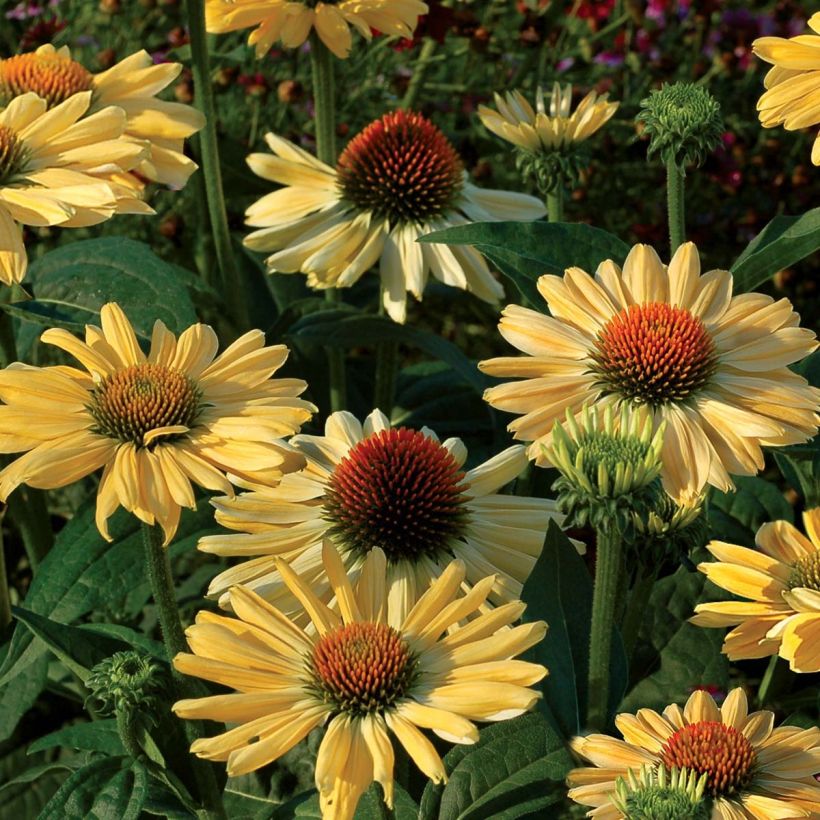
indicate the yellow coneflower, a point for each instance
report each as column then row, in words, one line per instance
column 154, row 422
column 49, row 161
column 547, row 128
column 711, row 366
column 398, row 179
column 291, row 21
column 753, row 770
column 781, row 579
column 792, row 98
column 367, row 485
column 132, row 85
column 360, row 672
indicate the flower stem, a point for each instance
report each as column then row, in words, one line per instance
column 5, row 599
column 675, row 204
column 387, row 364
column 635, row 610
column 777, row 679
column 324, row 103
column 173, row 636
column 234, row 292
column 604, row 599
column 416, row 83
column 127, row 730
column 555, row 204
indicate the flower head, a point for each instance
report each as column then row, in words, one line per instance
column 49, row 166
column 661, row 794
column 291, row 21
column 154, row 422
column 608, row 462
column 710, row 366
column 132, row 84
column 367, row 674
column 792, row 83
column 781, row 582
column 397, row 180
column 127, row 682
column 404, row 491
column 683, row 123
column 751, row 769
column 669, row 530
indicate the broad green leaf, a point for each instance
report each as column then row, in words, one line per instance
column 74, row 281
column 673, row 657
column 83, row 573
column 19, row 696
column 783, row 242
column 803, row 472
column 78, row 649
column 97, row 736
column 516, row 769
column 104, row 789
column 371, row 806
column 559, row 591
column 347, row 329
column 24, row 793
column 523, row 251
column 737, row 516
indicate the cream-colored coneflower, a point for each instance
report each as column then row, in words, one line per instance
column 132, row 85
column 397, row 180
column 367, row 485
column 154, row 422
column 291, row 21
column 792, row 96
column 49, row 167
column 547, row 129
column 713, row 367
column 781, row 582
column 753, row 770
column 363, row 674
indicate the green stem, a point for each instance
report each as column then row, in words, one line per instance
column 416, row 83
column 776, row 681
column 324, row 103
column 5, row 600
column 675, row 204
column 604, row 599
column 635, row 611
column 387, row 366
column 234, row 292
column 127, row 729
column 27, row 505
column 555, row 204
column 173, row 636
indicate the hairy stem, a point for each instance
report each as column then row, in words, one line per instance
column 555, row 204
column 675, row 205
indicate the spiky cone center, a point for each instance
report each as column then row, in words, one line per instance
column 362, row 668
column 708, row 747
column 141, row 398
column 12, row 154
column 806, row 572
column 654, row 353
column 399, row 490
column 401, row 167
column 50, row 76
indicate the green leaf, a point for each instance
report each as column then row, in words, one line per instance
column 783, row 242
column 737, row 516
column 803, row 472
column 78, row 650
column 74, row 281
column 24, row 795
column 371, row 806
column 523, row 251
column 98, row 736
column 674, row 656
column 105, row 789
column 559, row 591
column 20, row 695
column 516, row 769
column 82, row 572
column 347, row 329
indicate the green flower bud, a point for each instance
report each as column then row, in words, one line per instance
column 683, row 123
column 669, row 531
column 658, row 794
column 127, row 682
column 608, row 462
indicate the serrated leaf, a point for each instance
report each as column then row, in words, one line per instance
column 517, row 768
column 104, row 789
column 347, row 329
column 559, row 591
column 737, row 516
column 74, row 281
column 523, row 251
column 783, row 242
column 98, row 736
column 82, row 572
